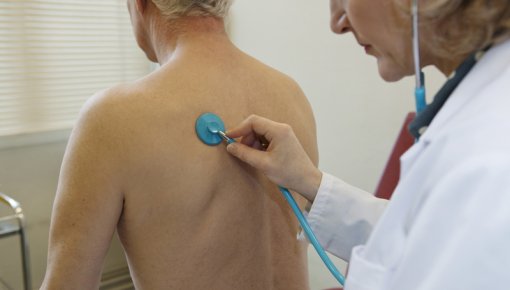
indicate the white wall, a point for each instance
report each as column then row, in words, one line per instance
column 30, row 175
column 357, row 114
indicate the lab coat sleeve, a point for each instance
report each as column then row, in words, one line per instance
column 343, row 216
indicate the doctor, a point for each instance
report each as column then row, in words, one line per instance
column 447, row 225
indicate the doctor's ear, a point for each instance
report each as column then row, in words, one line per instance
column 141, row 6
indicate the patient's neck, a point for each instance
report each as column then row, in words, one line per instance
column 202, row 35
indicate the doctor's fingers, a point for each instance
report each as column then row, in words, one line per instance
column 252, row 156
column 255, row 141
column 260, row 126
column 249, row 139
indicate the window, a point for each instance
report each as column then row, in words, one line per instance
column 54, row 54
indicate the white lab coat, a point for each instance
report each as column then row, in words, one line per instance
column 447, row 225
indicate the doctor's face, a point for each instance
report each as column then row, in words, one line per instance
column 381, row 28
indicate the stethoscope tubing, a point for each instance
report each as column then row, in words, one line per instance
column 311, row 236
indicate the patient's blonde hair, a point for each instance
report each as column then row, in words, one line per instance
column 176, row 8
column 465, row 26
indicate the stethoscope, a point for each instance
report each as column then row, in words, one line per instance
column 419, row 92
column 210, row 129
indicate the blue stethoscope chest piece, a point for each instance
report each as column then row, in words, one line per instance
column 207, row 127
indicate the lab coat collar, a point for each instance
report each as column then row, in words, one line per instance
column 489, row 67
column 423, row 119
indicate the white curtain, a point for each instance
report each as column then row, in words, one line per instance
column 54, row 54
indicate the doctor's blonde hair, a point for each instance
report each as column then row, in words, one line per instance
column 177, row 8
column 462, row 27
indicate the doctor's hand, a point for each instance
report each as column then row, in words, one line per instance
column 274, row 149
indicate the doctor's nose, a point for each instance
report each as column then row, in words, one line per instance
column 339, row 21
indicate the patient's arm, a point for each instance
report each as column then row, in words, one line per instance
column 88, row 202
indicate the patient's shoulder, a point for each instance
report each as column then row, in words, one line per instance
column 276, row 76
column 104, row 118
column 104, row 106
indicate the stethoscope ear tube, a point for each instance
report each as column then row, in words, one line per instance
column 420, row 96
column 419, row 93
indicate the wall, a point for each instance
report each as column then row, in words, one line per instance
column 30, row 174
column 358, row 116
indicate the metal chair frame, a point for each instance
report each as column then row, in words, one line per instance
column 15, row 225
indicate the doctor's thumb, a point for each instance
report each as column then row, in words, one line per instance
column 247, row 154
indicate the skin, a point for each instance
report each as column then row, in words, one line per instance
column 189, row 216
column 380, row 29
column 383, row 29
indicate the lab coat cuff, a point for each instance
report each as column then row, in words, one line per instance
column 342, row 216
column 317, row 216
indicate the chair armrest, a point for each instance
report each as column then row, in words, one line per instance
column 14, row 223
column 13, row 204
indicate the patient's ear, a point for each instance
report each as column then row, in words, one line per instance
column 141, row 6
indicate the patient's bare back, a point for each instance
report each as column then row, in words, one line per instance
column 189, row 216
column 194, row 217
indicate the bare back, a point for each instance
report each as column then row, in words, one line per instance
column 196, row 218
column 191, row 216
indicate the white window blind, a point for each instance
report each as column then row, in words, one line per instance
column 54, row 54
